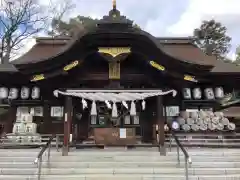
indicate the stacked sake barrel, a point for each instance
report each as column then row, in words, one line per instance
column 204, row 121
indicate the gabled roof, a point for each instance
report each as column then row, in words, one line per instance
column 8, row 68
column 179, row 48
column 225, row 67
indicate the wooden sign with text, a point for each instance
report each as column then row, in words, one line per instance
column 114, row 70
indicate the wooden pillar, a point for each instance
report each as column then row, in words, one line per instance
column 46, row 125
column 160, row 122
column 67, row 124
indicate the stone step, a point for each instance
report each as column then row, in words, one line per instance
column 116, row 171
column 119, row 177
column 122, row 150
column 119, row 158
column 162, row 164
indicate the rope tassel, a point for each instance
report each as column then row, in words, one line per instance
column 114, row 110
column 109, row 106
column 94, row 109
column 84, row 104
column 124, row 103
column 143, row 105
column 133, row 109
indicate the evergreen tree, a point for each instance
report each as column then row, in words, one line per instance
column 212, row 38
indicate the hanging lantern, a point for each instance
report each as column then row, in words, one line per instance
column 35, row 93
column 187, row 93
column 219, row 93
column 209, row 93
column 114, row 110
column 133, row 109
column 197, row 93
column 13, row 93
column 3, row 93
column 94, row 109
column 25, row 93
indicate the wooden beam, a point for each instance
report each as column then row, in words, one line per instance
column 67, row 124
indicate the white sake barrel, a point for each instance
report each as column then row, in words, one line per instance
column 215, row 120
column 206, row 120
column 184, row 114
column 190, row 121
column 218, row 114
column 181, row 120
column 194, row 115
column 18, row 128
column 203, row 127
column 186, row 127
column 211, row 126
column 225, row 121
column 202, row 114
column 31, row 128
column 220, row 127
column 231, row 126
column 195, row 127
column 199, row 121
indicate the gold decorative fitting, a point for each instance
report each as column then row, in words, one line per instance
column 71, row 65
column 157, row 66
column 190, row 78
column 114, row 4
column 37, row 77
column 115, row 51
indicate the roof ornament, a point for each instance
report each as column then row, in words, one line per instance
column 114, row 4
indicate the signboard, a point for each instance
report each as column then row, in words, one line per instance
column 123, row 133
column 114, row 70
column 172, row 111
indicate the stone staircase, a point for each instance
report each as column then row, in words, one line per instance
column 120, row 164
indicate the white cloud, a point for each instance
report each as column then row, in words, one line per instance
column 165, row 18
column 225, row 11
column 198, row 10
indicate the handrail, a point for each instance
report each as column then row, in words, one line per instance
column 186, row 155
column 38, row 160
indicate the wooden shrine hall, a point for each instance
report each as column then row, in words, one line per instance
column 112, row 84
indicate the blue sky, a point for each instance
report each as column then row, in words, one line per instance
column 167, row 17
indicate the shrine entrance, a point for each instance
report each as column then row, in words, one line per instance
column 110, row 117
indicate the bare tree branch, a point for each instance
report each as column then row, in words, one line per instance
column 19, row 20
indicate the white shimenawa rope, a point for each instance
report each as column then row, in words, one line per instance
column 114, row 97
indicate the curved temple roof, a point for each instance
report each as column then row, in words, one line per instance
column 182, row 50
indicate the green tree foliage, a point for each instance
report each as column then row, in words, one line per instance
column 238, row 54
column 212, row 38
column 62, row 28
